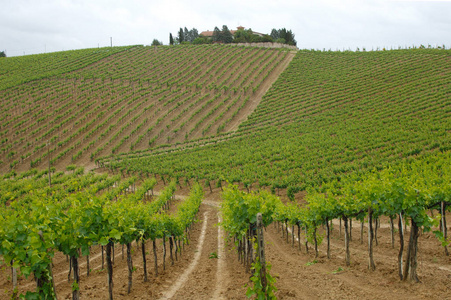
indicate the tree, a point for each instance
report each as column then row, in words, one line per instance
column 171, row 39
column 201, row 40
column 217, row 35
column 156, row 42
column 289, row 37
column 194, row 34
column 256, row 39
column 2, row 54
column 267, row 39
column 186, row 35
column 283, row 36
column 181, row 36
column 274, row 34
column 243, row 36
column 227, row 36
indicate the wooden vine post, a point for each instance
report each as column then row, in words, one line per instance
column 109, row 263
column 48, row 154
column 261, row 251
column 443, row 224
column 14, row 279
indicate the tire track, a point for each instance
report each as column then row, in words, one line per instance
column 220, row 274
column 184, row 277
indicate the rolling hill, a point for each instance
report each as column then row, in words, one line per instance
column 225, row 113
column 366, row 134
column 89, row 104
column 327, row 115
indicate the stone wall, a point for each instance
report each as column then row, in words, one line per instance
column 267, row 45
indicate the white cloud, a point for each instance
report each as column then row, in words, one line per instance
column 33, row 26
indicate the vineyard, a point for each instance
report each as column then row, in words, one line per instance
column 132, row 99
column 76, row 212
column 346, row 155
column 327, row 115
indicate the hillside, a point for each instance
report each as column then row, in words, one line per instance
column 129, row 100
column 328, row 114
column 360, row 139
column 19, row 70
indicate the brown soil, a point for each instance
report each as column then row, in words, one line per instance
column 26, row 147
column 217, row 274
column 250, row 107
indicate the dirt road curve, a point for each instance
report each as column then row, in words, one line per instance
column 208, row 269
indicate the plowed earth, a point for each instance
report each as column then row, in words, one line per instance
column 208, row 267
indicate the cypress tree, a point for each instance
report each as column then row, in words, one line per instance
column 181, row 36
column 275, row 34
column 217, row 36
column 186, row 35
column 227, row 36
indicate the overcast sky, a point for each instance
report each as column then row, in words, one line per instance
column 38, row 26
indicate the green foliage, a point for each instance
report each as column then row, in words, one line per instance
column 256, row 290
column 217, row 35
column 410, row 188
column 267, row 39
column 222, row 36
column 156, row 42
column 201, row 40
column 243, row 36
column 227, row 36
column 310, row 263
column 313, row 128
column 291, row 191
column 71, row 167
column 239, row 209
column 441, row 238
column 75, row 286
column 248, row 36
column 28, row 68
column 283, row 36
column 186, row 36
column 71, row 215
column 181, row 36
column 338, row 270
column 116, row 100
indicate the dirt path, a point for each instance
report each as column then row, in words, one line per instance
column 208, row 275
column 233, row 126
column 184, row 277
column 221, row 273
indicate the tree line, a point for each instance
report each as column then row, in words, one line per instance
column 225, row 36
